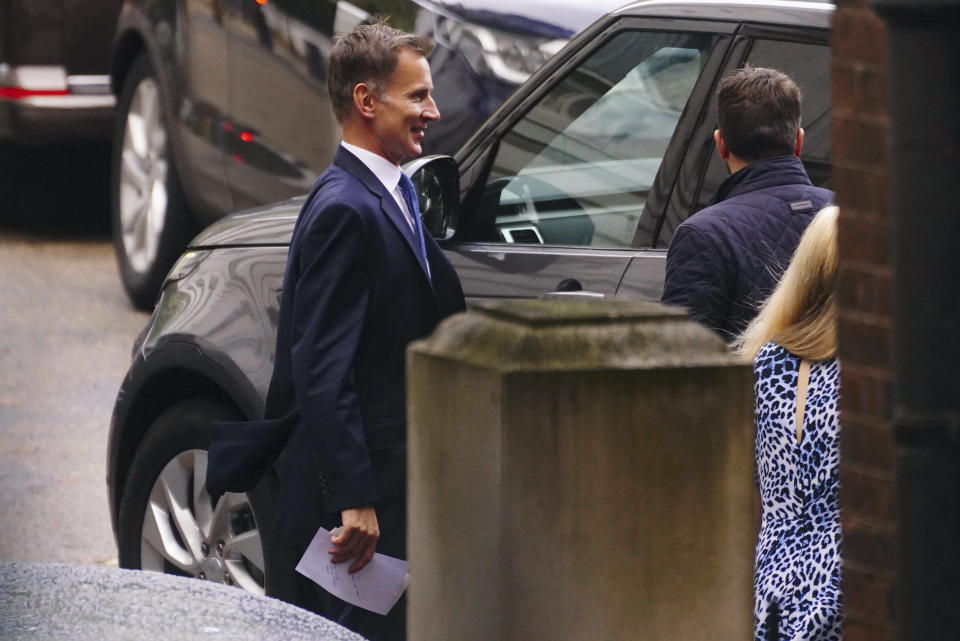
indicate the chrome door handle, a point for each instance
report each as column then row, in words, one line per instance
column 573, row 295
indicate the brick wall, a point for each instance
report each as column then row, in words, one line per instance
column 862, row 182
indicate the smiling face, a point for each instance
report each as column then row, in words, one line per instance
column 404, row 108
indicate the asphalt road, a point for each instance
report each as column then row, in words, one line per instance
column 66, row 330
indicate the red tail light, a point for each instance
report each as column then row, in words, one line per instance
column 17, row 93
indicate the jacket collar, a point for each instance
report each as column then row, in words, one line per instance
column 760, row 174
column 385, row 171
column 355, row 167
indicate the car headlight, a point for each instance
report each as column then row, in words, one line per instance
column 511, row 57
column 187, row 263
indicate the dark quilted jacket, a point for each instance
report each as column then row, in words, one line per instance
column 725, row 260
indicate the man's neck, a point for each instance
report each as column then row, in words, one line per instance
column 735, row 164
column 360, row 137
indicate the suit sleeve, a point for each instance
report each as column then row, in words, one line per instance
column 695, row 278
column 329, row 309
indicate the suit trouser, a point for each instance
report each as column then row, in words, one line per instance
column 392, row 627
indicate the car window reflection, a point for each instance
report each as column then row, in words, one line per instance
column 576, row 170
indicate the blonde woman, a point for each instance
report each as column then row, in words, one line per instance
column 793, row 342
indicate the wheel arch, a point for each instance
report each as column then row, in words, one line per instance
column 128, row 46
column 180, row 372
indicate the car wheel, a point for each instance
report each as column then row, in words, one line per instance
column 168, row 522
column 151, row 224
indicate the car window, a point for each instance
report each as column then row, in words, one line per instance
column 809, row 66
column 577, row 168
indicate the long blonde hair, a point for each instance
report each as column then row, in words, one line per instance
column 801, row 313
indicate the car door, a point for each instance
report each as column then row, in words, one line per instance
column 193, row 57
column 269, row 145
column 567, row 190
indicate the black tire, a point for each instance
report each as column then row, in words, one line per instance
column 143, row 272
column 174, row 437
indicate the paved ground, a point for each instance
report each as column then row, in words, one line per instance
column 52, row 602
column 66, row 330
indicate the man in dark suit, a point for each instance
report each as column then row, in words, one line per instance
column 362, row 281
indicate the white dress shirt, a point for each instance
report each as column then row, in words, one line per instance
column 386, row 172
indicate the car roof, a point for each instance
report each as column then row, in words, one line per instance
column 816, row 13
column 546, row 18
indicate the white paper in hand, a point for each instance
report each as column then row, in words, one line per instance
column 377, row 587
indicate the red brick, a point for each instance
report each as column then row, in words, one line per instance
column 862, row 190
column 861, row 175
column 855, row 630
column 860, row 90
column 865, row 444
column 859, row 34
column 866, row 241
column 856, row 139
column 866, row 393
column 864, row 343
column 869, row 547
column 867, row 597
column 870, row 292
column 866, row 493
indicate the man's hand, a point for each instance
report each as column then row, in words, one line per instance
column 357, row 538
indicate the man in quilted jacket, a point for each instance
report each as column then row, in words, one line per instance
column 725, row 260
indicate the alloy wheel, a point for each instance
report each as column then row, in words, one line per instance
column 143, row 177
column 184, row 532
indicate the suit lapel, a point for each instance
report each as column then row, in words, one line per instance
column 350, row 163
column 399, row 220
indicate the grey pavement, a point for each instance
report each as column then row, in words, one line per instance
column 66, row 330
column 53, row 602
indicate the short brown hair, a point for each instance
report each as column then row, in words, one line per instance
column 368, row 54
column 758, row 113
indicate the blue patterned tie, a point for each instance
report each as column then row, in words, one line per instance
column 410, row 197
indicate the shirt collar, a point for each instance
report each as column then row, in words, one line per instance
column 385, row 171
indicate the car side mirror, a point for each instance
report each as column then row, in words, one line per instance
column 437, row 181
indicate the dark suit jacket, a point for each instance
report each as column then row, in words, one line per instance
column 354, row 295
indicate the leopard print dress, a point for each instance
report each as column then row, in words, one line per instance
column 797, row 565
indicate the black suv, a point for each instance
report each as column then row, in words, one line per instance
column 573, row 187
column 222, row 104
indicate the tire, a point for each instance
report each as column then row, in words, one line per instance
column 148, row 211
column 168, row 523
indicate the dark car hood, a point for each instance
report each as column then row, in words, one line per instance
column 263, row 226
column 546, row 18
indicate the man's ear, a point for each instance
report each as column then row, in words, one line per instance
column 721, row 144
column 799, row 147
column 363, row 100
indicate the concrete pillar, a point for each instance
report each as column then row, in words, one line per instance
column 579, row 471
